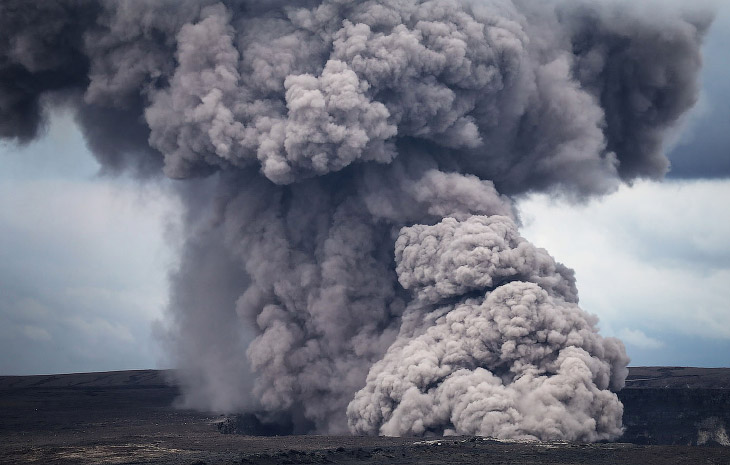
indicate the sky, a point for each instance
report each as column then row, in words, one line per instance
column 83, row 260
column 84, row 257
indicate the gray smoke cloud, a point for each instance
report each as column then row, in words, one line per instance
column 520, row 359
column 350, row 257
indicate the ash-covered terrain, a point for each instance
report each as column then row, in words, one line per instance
column 129, row 417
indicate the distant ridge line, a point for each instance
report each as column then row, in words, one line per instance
column 665, row 377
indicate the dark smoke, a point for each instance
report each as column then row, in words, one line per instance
column 350, row 254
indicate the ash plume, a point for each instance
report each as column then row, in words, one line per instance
column 350, row 255
column 519, row 359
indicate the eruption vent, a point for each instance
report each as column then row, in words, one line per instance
column 351, row 258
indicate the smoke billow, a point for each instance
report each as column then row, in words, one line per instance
column 351, row 256
column 517, row 359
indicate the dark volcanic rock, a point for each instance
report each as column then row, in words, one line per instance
column 128, row 417
column 676, row 416
column 248, row 424
column 678, row 378
column 677, row 405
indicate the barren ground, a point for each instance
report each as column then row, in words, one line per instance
column 127, row 417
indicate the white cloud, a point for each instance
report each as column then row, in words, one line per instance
column 36, row 334
column 638, row 338
column 654, row 256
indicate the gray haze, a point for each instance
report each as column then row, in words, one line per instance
column 335, row 154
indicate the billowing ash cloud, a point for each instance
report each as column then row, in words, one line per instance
column 520, row 359
column 350, row 254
